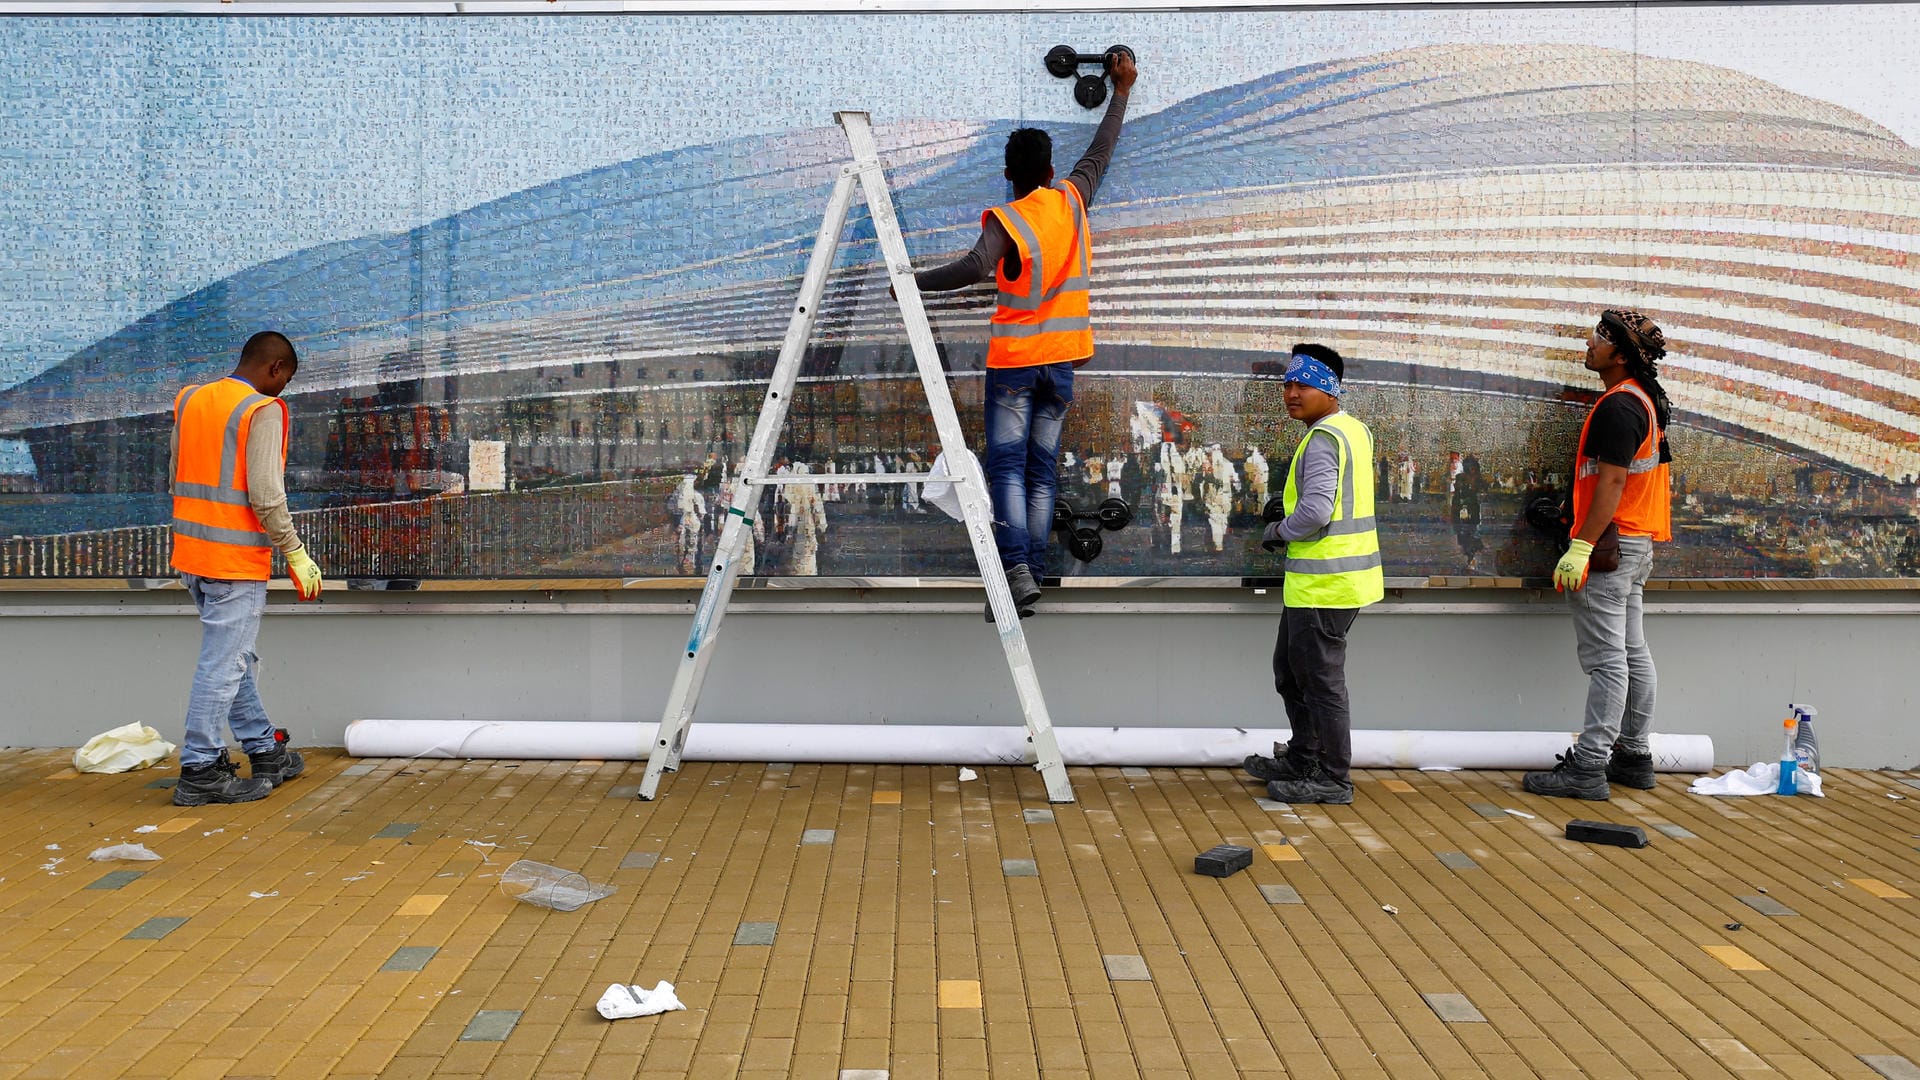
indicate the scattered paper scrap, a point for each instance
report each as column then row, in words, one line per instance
column 263, row 895
column 622, row 1001
column 1389, row 909
column 147, row 828
column 1519, row 813
column 967, row 774
column 130, row 852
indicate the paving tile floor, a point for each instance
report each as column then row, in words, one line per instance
column 352, row 925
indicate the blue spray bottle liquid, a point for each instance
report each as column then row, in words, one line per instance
column 1788, row 762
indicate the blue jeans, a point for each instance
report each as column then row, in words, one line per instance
column 223, row 689
column 1026, row 408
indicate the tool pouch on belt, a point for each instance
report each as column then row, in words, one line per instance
column 1553, row 515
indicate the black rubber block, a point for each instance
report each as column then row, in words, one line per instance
column 1223, row 860
column 1605, row 832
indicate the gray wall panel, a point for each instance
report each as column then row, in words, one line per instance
column 1193, row 659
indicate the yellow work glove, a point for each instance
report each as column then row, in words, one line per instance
column 1571, row 571
column 304, row 574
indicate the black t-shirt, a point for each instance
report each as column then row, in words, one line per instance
column 1619, row 427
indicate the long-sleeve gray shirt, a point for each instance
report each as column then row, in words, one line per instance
column 266, row 486
column 1319, row 473
column 996, row 246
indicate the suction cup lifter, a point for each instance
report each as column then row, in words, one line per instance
column 1063, row 61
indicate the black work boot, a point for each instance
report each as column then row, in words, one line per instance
column 1026, row 591
column 218, row 782
column 1569, row 780
column 1316, row 786
column 280, row 764
column 1281, row 766
column 1630, row 770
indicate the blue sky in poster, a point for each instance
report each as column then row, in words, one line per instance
column 143, row 158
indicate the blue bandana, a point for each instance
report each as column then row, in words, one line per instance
column 1307, row 371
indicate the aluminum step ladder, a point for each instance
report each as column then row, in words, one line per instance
column 970, row 484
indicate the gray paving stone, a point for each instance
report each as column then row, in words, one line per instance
column 1127, row 968
column 1910, row 781
column 396, row 831
column 491, row 1025
column 1137, row 773
column 1273, row 805
column 410, row 958
column 165, row 782
column 1034, row 817
column 863, row 1074
column 1281, row 894
column 116, row 879
column 155, row 929
column 1019, row 868
column 639, row 860
column 361, row 769
column 779, row 766
column 624, row 791
column 1457, row 860
column 1454, row 1008
column 817, row 836
column 1675, row 831
column 1767, row 905
column 755, row 933
column 1488, row 810
column 1892, row 1066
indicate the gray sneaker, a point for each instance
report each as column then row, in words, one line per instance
column 218, row 782
column 1569, row 780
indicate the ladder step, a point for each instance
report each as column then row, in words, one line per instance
column 788, row 479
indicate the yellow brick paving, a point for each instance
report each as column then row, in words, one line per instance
column 906, row 943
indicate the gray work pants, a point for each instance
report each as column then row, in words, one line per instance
column 1310, row 671
column 1613, row 651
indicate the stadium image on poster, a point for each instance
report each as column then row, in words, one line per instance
column 538, row 269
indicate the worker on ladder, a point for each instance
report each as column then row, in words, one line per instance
column 1037, row 247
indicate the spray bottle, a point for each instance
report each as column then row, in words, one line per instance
column 1788, row 761
column 1806, row 745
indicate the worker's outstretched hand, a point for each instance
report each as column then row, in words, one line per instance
column 305, row 574
column 1120, row 65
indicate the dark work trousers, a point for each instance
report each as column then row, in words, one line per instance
column 1310, row 671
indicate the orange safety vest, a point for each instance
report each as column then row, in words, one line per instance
column 1042, row 316
column 1646, row 507
column 216, row 534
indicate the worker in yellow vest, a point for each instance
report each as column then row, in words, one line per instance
column 229, row 457
column 1333, row 570
column 1039, row 250
column 1622, row 505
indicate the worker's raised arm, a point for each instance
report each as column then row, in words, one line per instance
column 1092, row 166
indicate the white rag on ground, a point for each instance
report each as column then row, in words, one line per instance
column 1762, row 779
column 622, row 1001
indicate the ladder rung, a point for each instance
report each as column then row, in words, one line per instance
column 784, row 479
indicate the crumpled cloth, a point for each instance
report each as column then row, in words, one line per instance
column 622, row 1001
column 942, row 488
column 1762, row 779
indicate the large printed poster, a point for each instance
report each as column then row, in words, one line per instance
column 537, row 270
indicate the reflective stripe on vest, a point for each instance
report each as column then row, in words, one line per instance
column 1042, row 316
column 1645, row 503
column 216, row 533
column 1339, row 567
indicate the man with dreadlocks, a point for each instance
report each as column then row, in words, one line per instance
column 1621, row 505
